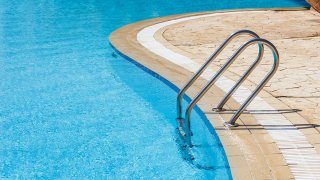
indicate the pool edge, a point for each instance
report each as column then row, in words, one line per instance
column 126, row 45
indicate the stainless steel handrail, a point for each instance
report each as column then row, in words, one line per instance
column 265, row 80
column 184, row 127
column 210, row 59
column 221, row 71
column 237, row 84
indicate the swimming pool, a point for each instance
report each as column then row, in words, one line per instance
column 72, row 107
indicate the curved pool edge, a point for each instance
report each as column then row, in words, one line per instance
column 125, row 41
column 176, row 89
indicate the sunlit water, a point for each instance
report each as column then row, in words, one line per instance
column 69, row 108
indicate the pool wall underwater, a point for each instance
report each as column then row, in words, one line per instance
column 173, row 87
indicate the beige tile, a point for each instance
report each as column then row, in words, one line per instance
column 270, row 148
column 237, row 161
column 228, row 141
column 241, row 173
column 256, row 161
column 313, row 138
column 295, row 118
column 221, row 131
column 263, row 138
column 261, row 173
column 233, row 150
column 307, row 130
column 249, row 121
column 281, row 172
column 251, row 149
column 317, row 147
column 276, row 160
column 246, row 139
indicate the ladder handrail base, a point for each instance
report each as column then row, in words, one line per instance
column 230, row 125
column 219, row 109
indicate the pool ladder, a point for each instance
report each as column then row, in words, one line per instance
column 184, row 123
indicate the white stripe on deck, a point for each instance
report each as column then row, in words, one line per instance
column 300, row 155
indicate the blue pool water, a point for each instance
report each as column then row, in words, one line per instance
column 69, row 108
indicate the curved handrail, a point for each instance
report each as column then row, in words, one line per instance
column 265, row 80
column 222, row 70
column 237, row 85
column 210, row 59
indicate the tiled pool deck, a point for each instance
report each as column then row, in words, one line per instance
column 264, row 146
